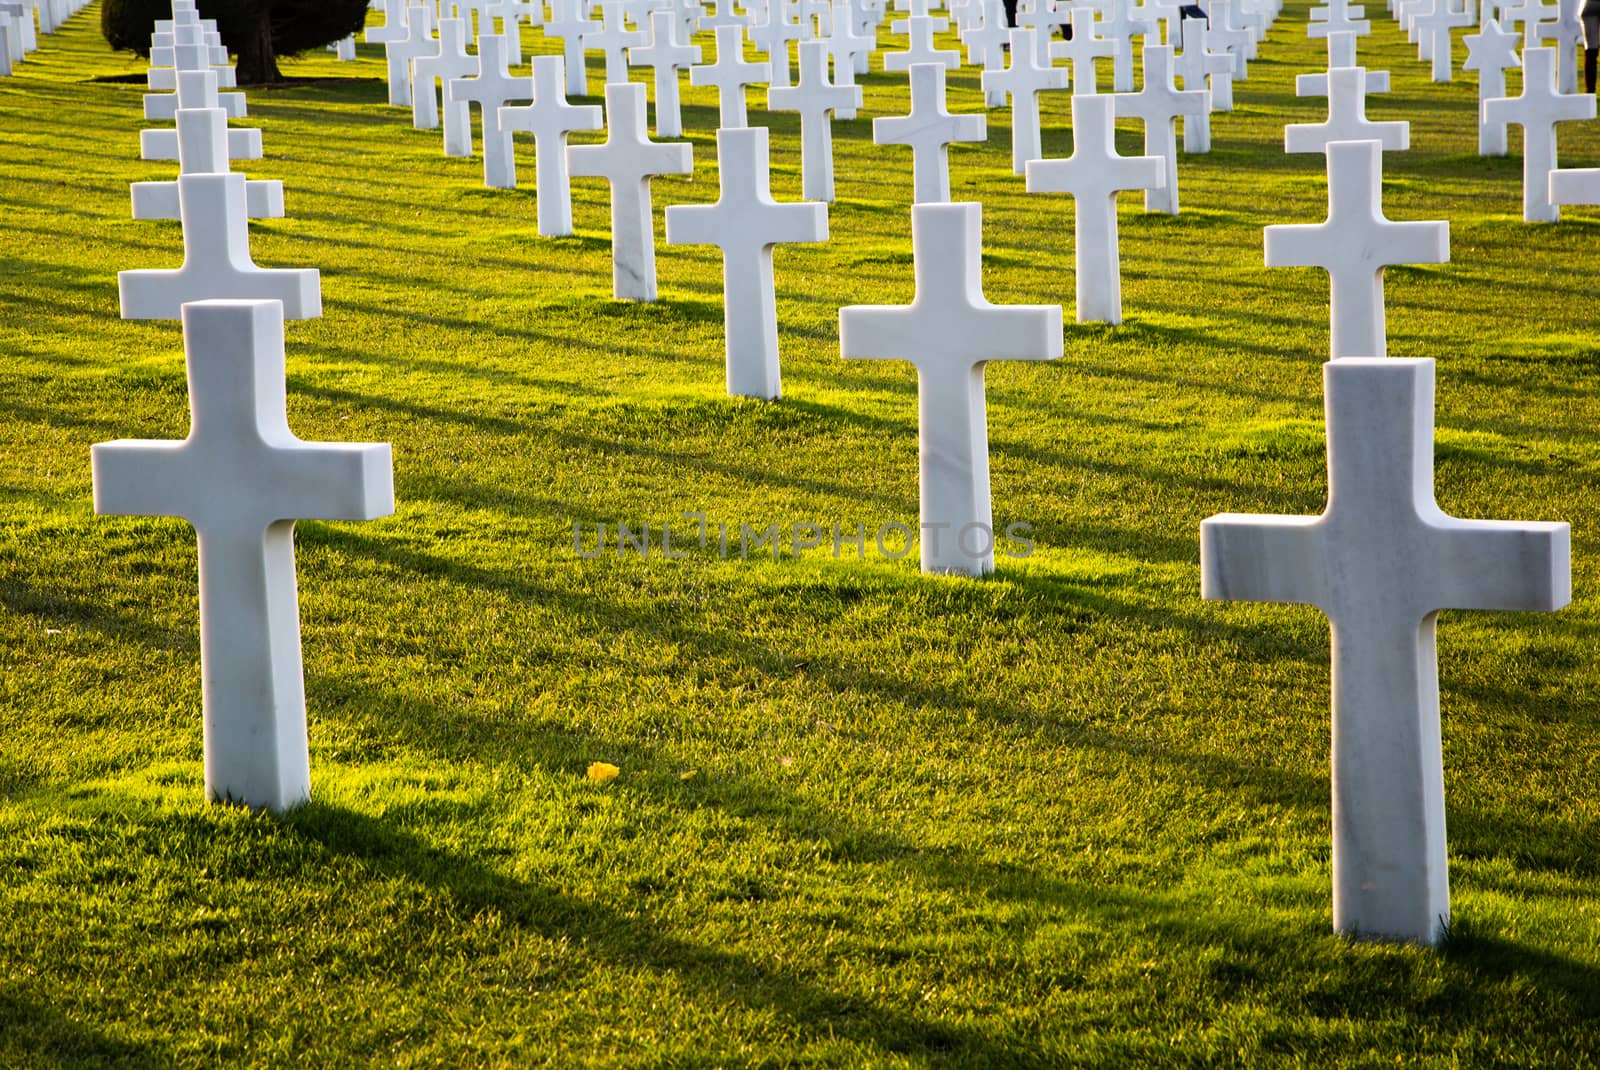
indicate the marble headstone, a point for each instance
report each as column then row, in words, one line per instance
column 242, row 479
column 1354, row 245
column 949, row 332
column 1093, row 175
column 745, row 223
column 628, row 160
column 929, row 130
column 1381, row 562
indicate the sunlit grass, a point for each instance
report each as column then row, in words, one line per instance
column 1070, row 815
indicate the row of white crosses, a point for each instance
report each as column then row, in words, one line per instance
column 731, row 74
column 1356, row 242
column 928, row 130
column 23, row 22
column 627, row 34
column 1383, row 559
column 1549, row 83
column 409, row 43
column 745, row 224
column 629, row 160
column 241, row 477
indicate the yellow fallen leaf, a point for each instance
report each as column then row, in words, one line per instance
column 602, row 770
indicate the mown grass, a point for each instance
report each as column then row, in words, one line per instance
column 1070, row 815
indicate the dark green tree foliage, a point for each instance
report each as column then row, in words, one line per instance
column 257, row 32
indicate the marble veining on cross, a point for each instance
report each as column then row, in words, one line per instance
column 1354, row 245
column 628, row 160
column 929, row 130
column 1381, row 561
column 949, row 332
column 242, row 479
column 745, row 223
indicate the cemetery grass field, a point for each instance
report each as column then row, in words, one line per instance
column 1070, row 815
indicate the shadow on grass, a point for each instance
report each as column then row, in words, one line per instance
column 718, row 976
column 1062, row 607
column 52, row 607
column 1514, row 967
column 35, row 1033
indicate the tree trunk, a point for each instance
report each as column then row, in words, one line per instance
column 257, row 59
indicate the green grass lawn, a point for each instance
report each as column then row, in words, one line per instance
column 1068, row 815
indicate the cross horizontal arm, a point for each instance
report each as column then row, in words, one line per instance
column 1500, row 564
column 1253, row 558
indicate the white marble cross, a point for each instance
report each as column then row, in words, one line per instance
column 987, row 43
column 202, row 150
column 772, row 37
column 613, row 40
column 1195, row 63
column 1024, row 80
column 1120, row 26
column 242, row 479
column 849, row 48
column 730, row 74
column 451, row 63
column 1526, row 13
column 1225, row 36
column 666, row 57
column 1158, row 106
column 921, row 48
column 628, row 160
column 395, row 29
column 550, row 118
column 1255, row 17
column 197, row 89
column 1347, row 119
column 505, row 18
column 1537, row 110
column 1341, row 53
column 418, row 43
column 949, row 332
column 815, row 98
column 1530, row 14
column 928, row 129
column 1045, row 16
column 1566, row 36
column 1406, row 12
column 1381, row 562
column 1221, row 67
column 1434, row 24
column 745, row 223
column 687, row 15
column 214, row 206
column 570, row 22
column 491, row 88
column 1338, row 16
column 1093, row 175
column 1354, row 245
column 1490, row 52
column 1082, row 50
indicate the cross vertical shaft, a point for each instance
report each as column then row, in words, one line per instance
column 1380, row 562
column 949, row 331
